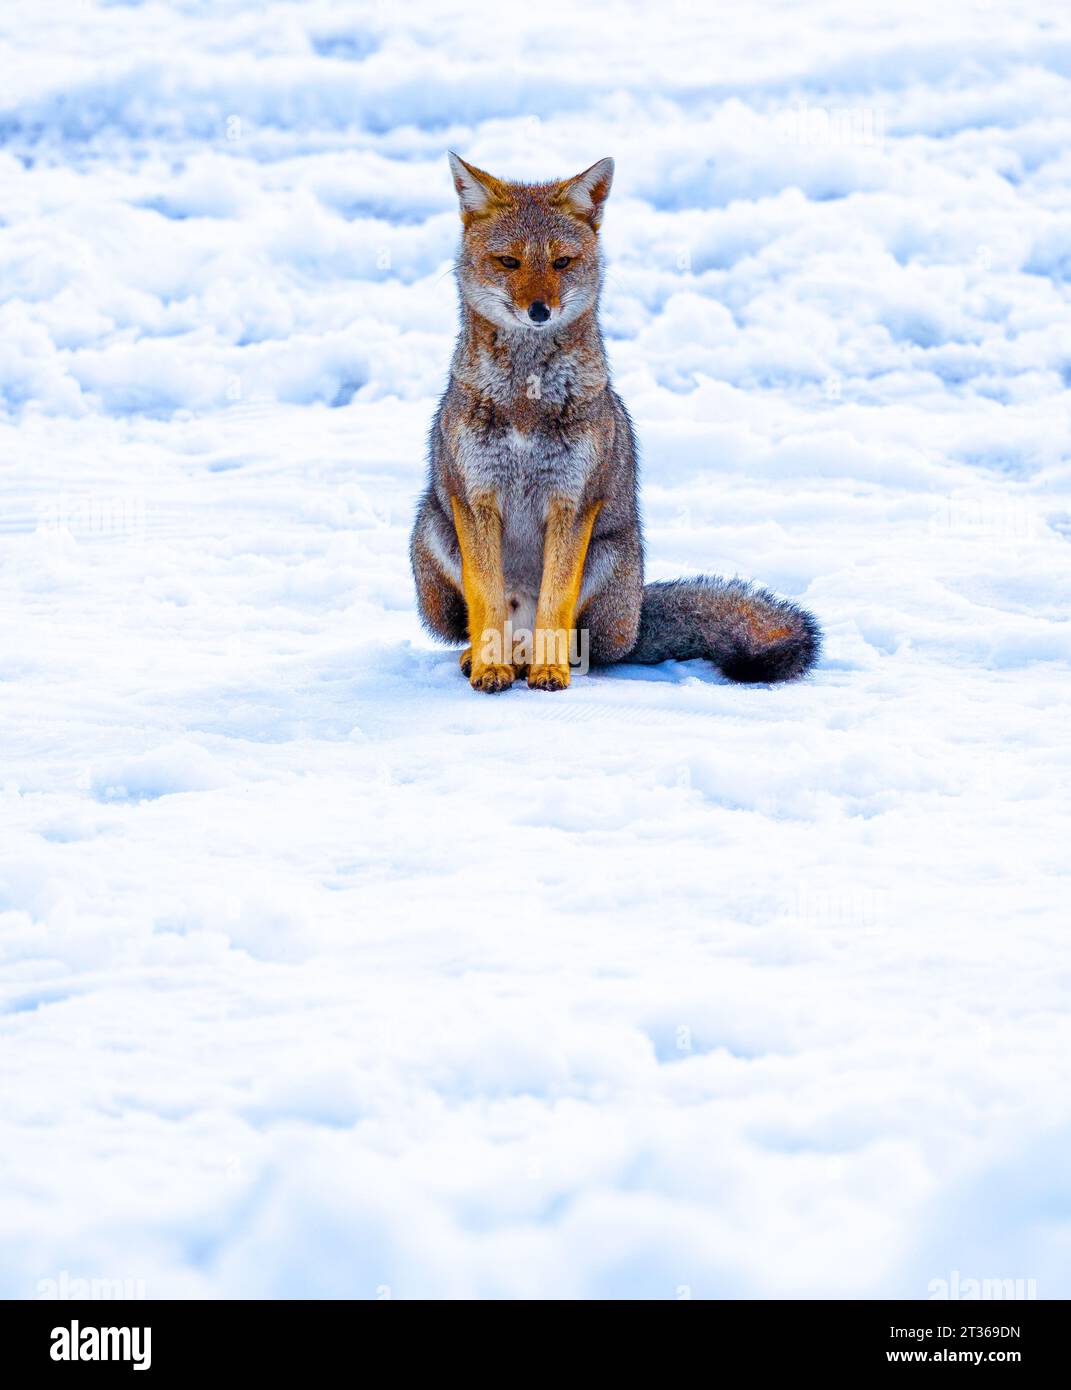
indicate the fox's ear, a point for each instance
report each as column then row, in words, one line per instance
column 477, row 192
column 586, row 194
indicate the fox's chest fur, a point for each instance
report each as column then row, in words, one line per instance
column 526, row 422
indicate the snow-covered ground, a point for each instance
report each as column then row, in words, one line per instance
column 323, row 975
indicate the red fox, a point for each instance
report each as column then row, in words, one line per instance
column 527, row 539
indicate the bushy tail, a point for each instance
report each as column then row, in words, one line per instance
column 748, row 633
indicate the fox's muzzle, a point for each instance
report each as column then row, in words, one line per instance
column 538, row 312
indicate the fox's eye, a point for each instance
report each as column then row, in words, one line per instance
column 510, row 262
column 561, row 262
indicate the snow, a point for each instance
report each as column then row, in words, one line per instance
column 324, row 975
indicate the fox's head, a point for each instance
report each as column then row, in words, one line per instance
column 530, row 252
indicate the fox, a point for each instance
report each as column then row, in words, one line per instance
column 527, row 545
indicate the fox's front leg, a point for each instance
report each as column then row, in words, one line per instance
column 565, row 549
column 479, row 532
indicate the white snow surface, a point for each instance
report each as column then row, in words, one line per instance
column 323, row 975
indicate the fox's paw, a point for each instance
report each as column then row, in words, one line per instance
column 520, row 669
column 549, row 676
column 491, row 679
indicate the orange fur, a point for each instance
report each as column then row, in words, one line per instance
column 565, row 550
column 479, row 533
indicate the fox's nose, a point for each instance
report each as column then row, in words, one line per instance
column 538, row 312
